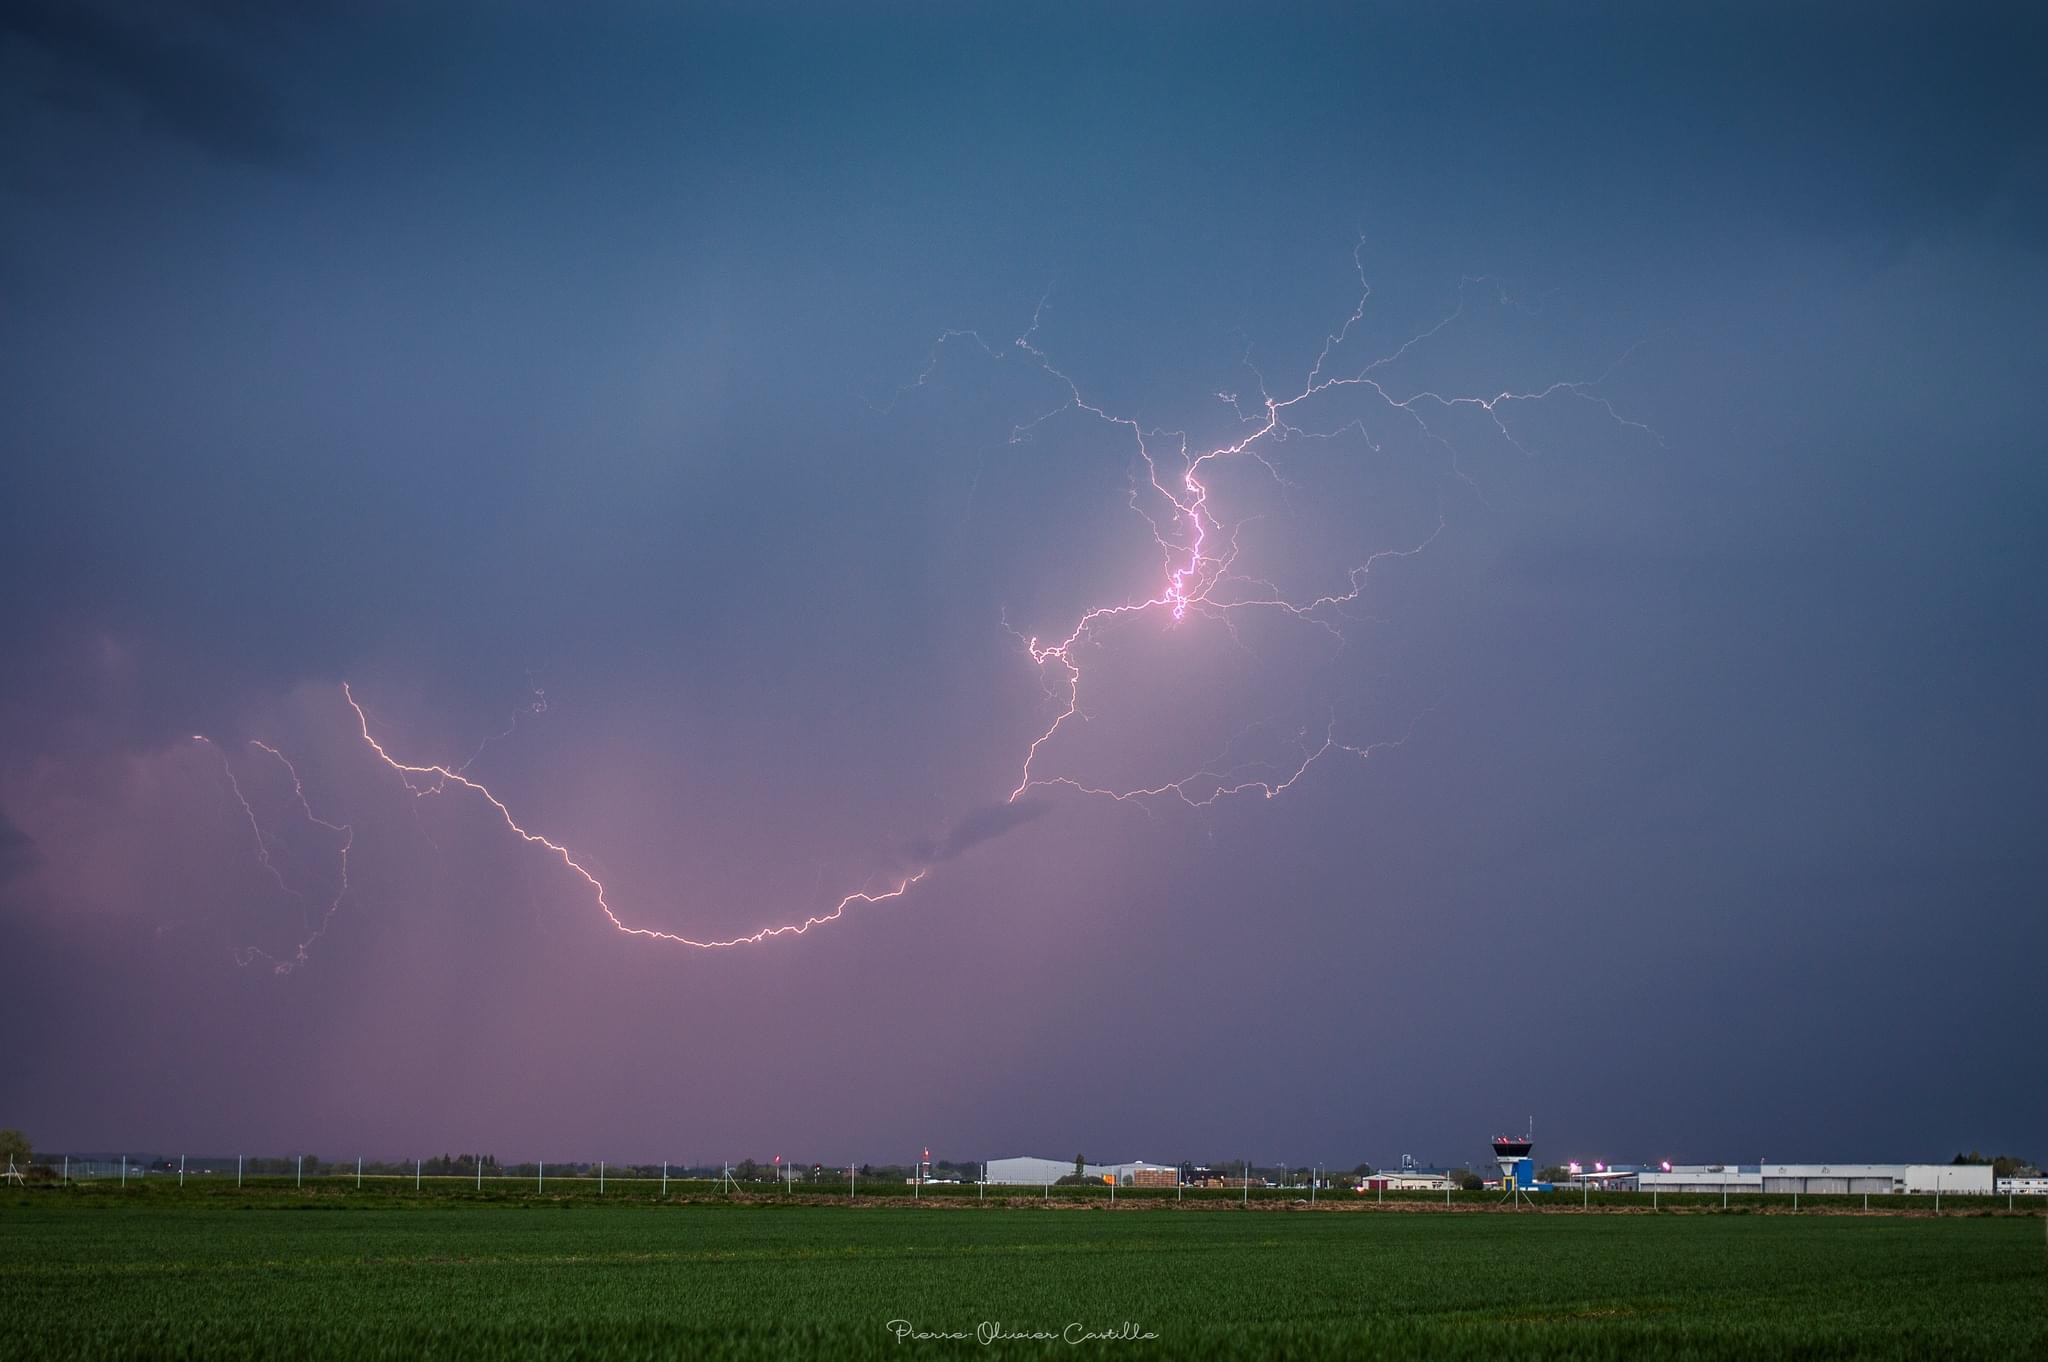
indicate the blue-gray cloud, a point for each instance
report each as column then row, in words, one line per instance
column 190, row 88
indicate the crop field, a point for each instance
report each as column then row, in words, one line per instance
column 271, row 1272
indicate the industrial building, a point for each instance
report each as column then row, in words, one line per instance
column 1028, row 1171
column 1407, row 1179
column 1033, row 1172
column 1821, row 1179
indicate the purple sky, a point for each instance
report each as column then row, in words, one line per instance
column 577, row 395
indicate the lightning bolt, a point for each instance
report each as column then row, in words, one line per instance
column 434, row 779
column 1199, row 551
column 244, row 955
column 1198, row 579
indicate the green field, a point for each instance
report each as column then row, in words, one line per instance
column 275, row 1274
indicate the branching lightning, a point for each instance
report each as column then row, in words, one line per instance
column 1198, row 578
column 435, row 779
column 244, row 955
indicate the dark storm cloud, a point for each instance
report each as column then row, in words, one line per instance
column 983, row 825
column 184, row 84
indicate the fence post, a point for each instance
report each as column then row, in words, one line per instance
column 299, row 1175
column 359, row 1172
column 124, row 1170
column 540, row 1175
column 600, row 1177
column 181, row 1170
column 238, row 1170
column 664, row 1177
column 416, row 1173
column 479, row 1171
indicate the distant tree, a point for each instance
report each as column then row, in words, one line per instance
column 1557, row 1172
column 1080, row 1164
column 746, row 1170
column 14, row 1148
column 1467, row 1180
column 1363, row 1170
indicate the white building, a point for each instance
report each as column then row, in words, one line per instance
column 2023, row 1186
column 1033, row 1172
column 1406, row 1180
column 1822, row 1179
column 1703, row 1177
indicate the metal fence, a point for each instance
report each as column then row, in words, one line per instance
column 469, row 1177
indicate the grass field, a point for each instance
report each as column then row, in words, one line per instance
column 276, row 1274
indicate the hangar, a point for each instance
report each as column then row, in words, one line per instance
column 1035, row 1172
column 1821, row 1179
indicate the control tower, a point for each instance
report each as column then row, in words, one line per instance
column 1511, row 1152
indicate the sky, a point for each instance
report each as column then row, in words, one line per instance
column 687, row 421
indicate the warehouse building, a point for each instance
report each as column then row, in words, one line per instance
column 1033, row 1172
column 1407, row 1179
column 1821, row 1179
column 1027, row 1171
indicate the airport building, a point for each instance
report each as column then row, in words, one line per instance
column 1821, row 1179
column 1517, row 1169
column 1407, row 1179
column 1032, row 1172
column 1035, row 1172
